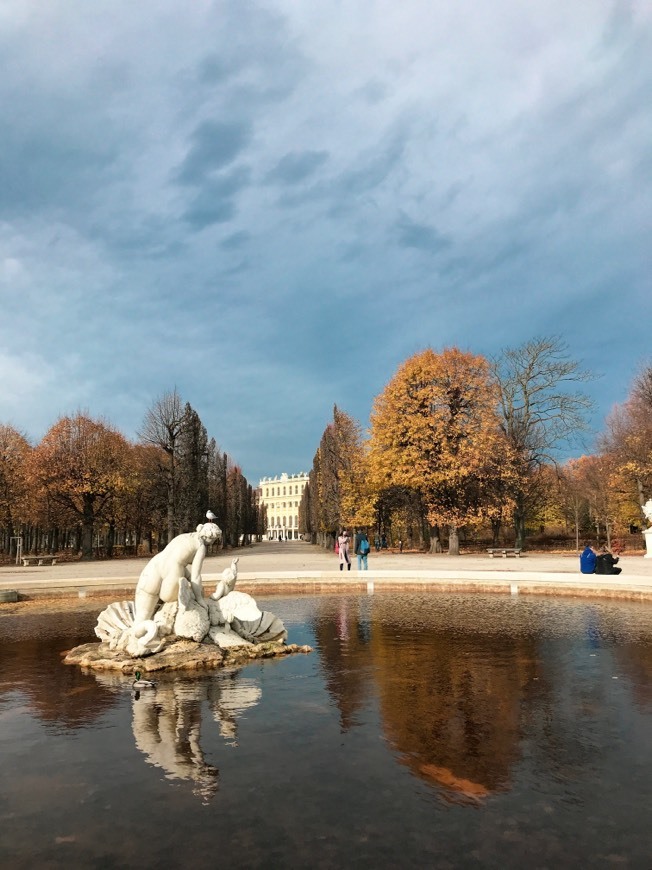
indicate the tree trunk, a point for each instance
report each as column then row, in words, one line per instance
column 453, row 541
column 110, row 540
column 519, row 524
column 435, row 540
column 87, row 529
column 495, row 531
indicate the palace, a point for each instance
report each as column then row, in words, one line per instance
column 281, row 496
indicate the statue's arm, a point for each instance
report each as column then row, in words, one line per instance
column 195, row 574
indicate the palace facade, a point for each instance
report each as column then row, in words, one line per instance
column 281, row 496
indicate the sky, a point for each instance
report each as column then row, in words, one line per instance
column 270, row 205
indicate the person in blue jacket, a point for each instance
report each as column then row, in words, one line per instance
column 588, row 559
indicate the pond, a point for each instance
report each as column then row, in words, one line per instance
column 434, row 730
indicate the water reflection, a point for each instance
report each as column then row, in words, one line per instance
column 530, row 715
column 458, row 685
column 344, row 645
column 167, row 722
column 31, row 652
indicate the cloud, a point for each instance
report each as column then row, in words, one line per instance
column 214, row 145
column 215, row 201
column 295, row 197
column 420, row 236
column 296, row 167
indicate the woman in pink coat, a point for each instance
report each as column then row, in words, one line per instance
column 343, row 546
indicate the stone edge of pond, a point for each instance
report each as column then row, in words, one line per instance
column 181, row 655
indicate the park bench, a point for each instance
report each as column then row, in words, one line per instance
column 38, row 560
column 504, row 552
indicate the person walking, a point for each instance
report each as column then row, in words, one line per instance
column 362, row 551
column 343, row 547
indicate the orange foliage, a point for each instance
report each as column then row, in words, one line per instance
column 80, row 464
column 435, row 429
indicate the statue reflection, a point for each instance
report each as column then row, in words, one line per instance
column 167, row 720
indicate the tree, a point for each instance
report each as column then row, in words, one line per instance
column 81, row 464
column 540, row 410
column 335, row 491
column 14, row 451
column 434, row 429
column 162, row 428
column 192, row 468
column 628, row 439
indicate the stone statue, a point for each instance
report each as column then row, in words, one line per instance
column 183, row 557
column 169, row 603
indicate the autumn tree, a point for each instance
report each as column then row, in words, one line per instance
column 434, row 429
column 335, row 494
column 14, row 451
column 628, row 439
column 571, row 496
column 141, row 508
column 541, row 409
column 81, row 464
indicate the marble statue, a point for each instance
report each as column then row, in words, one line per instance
column 183, row 557
column 647, row 510
column 169, row 603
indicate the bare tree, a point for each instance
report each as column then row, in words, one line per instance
column 541, row 408
column 162, row 427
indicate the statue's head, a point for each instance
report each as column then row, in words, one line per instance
column 209, row 532
column 647, row 510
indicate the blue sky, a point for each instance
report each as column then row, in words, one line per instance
column 270, row 205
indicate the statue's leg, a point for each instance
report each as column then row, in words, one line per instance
column 145, row 605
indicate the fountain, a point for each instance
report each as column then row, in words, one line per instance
column 171, row 625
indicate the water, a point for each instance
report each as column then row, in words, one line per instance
column 434, row 730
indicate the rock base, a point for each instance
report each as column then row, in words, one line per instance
column 177, row 655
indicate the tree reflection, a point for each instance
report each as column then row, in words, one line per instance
column 452, row 694
column 344, row 642
column 452, row 706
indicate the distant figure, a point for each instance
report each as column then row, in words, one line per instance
column 400, row 545
column 362, row 551
column 343, row 547
column 606, row 562
column 588, row 559
column 376, row 543
column 383, row 542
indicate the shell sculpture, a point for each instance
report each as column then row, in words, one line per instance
column 116, row 625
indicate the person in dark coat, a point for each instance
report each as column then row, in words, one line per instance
column 606, row 562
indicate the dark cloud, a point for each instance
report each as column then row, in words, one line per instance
column 235, row 241
column 421, row 236
column 215, row 70
column 214, row 204
column 296, row 166
column 43, row 168
column 214, row 144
